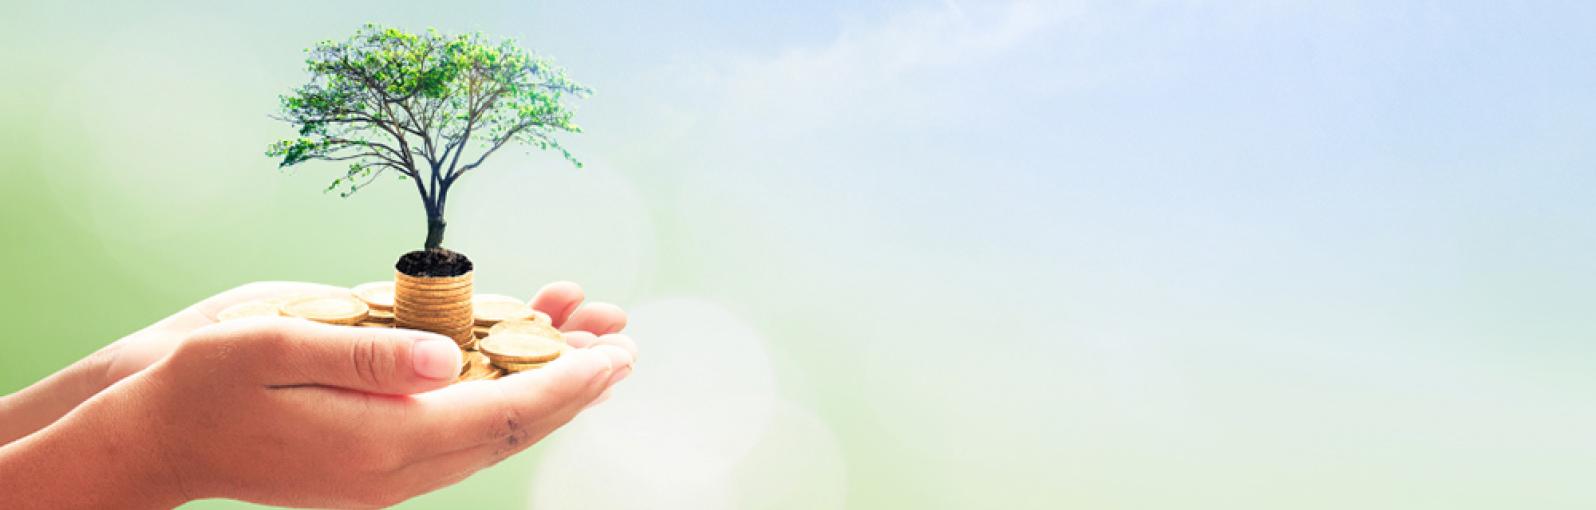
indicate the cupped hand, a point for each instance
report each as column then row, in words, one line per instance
column 585, row 323
column 290, row 412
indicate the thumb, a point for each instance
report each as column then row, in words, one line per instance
column 372, row 360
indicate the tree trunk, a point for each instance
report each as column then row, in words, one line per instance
column 435, row 226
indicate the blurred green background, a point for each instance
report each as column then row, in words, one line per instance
column 1108, row 255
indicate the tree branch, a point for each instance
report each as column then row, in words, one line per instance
column 356, row 187
column 495, row 147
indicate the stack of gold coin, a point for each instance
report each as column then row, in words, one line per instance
column 378, row 296
column 441, row 305
column 342, row 310
column 476, row 366
column 518, row 345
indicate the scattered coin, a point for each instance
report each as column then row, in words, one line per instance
column 377, row 295
column 490, row 309
column 534, row 327
column 513, row 367
column 476, row 366
column 498, row 334
column 520, row 348
column 328, row 309
column 376, row 315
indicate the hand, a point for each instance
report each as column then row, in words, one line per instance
column 562, row 301
column 289, row 412
column 39, row 405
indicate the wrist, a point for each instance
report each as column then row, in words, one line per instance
column 100, row 456
column 37, row 406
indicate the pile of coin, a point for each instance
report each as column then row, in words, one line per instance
column 505, row 334
column 441, row 305
column 378, row 297
column 522, row 344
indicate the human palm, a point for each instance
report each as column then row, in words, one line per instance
column 585, row 324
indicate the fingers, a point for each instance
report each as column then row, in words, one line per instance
column 622, row 341
column 562, row 302
column 596, row 318
column 583, row 339
column 558, row 299
column 580, row 339
column 519, row 409
column 372, row 360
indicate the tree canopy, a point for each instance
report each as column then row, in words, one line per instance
column 429, row 107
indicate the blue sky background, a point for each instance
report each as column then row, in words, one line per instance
column 1263, row 254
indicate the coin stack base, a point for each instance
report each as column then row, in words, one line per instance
column 500, row 335
column 441, row 305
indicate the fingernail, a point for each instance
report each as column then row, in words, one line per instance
column 436, row 358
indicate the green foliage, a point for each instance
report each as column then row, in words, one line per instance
column 416, row 104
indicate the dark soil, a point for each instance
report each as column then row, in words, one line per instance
column 434, row 262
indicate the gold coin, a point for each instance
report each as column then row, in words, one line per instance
column 442, row 328
column 513, row 367
column 402, row 307
column 406, row 290
column 473, row 359
column 376, row 315
column 492, row 308
column 461, row 337
column 409, row 310
column 403, row 285
column 519, row 347
column 438, row 308
column 458, row 337
column 480, row 331
column 414, row 293
column 332, row 310
column 489, row 374
column 374, row 324
column 534, row 327
column 432, row 312
column 413, row 283
column 448, row 331
column 377, row 295
column 256, row 308
column 451, row 325
column 477, row 365
column 401, row 277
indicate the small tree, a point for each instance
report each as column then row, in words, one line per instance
column 415, row 104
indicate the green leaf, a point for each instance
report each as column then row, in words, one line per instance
column 384, row 80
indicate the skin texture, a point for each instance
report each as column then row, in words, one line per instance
column 289, row 412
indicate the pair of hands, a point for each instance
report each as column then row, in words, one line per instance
column 290, row 412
